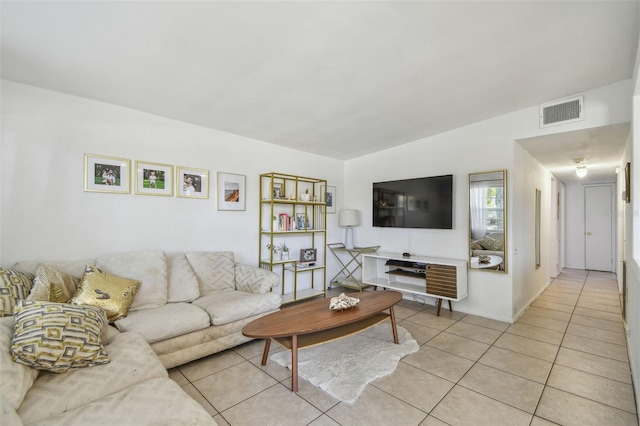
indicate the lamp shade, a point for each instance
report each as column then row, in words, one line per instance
column 349, row 218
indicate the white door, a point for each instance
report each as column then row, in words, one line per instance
column 598, row 221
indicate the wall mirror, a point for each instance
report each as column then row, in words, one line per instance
column 488, row 221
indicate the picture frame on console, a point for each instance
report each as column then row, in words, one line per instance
column 231, row 191
column 153, row 179
column 192, row 183
column 106, row 174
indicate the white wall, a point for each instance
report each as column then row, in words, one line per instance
column 46, row 215
column 528, row 279
column 484, row 146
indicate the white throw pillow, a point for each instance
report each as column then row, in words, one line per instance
column 150, row 267
column 183, row 283
column 215, row 271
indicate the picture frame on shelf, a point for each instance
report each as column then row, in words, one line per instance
column 106, row 174
column 277, row 191
column 308, row 256
column 231, row 192
column 192, row 183
column 153, row 179
column 329, row 197
column 302, row 221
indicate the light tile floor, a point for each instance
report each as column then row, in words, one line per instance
column 563, row 362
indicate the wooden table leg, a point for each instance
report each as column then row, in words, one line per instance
column 450, row 310
column 265, row 354
column 439, row 306
column 393, row 326
column 294, row 363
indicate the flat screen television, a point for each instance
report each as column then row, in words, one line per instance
column 414, row 203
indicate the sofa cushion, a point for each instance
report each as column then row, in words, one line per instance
column 14, row 287
column 58, row 337
column 132, row 362
column 150, row 267
column 215, row 271
column 17, row 378
column 255, row 280
column 8, row 414
column 489, row 243
column 109, row 292
column 171, row 320
column 231, row 306
column 183, row 283
column 51, row 285
column 73, row 268
column 154, row 402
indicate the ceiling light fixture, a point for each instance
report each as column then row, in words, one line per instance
column 581, row 171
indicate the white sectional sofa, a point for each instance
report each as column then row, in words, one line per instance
column 189, row 305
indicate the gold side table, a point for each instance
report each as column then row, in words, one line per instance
column 350, row 262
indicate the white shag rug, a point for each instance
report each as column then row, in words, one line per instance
column 343, row 368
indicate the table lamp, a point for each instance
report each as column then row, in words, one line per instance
column 349, row 218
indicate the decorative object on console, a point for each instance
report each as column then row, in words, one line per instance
column 231, row 191
column 192, row 183
column 349, row 218
column 153, row 179
column 106, row 291
column 106, row 174
column 343, row 302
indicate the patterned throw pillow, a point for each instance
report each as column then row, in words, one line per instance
column 14, row 287
column 51, row 285
column 106, row 291
column 489, row 243
column 58, row 337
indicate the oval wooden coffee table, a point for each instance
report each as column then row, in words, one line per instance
column 312, row 323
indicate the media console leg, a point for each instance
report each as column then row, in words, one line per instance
column 439, row 306
column 450, row 310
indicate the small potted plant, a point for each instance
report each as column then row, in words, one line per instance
column 285, row 251
column 275, row 252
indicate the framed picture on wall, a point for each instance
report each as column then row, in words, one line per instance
column 192, row 183
column 153, row 179
column 106, row 174
column 231, row 191
column 627, row 182
column 329, row 199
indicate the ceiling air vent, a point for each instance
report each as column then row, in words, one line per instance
column 561, row 112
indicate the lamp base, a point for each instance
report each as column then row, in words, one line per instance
column 348, row 238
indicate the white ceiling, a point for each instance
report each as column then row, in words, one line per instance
column 340, row 79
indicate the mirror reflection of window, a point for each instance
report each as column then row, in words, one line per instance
column 486, row 204
column 487, row 221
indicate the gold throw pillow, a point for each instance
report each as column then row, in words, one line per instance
column 51, row 285
column 106, row 291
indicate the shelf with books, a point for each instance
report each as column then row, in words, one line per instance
column 293, row 214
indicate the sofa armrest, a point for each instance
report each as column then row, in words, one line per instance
column 255, row 280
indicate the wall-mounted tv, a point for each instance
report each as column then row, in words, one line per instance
column 414, row 203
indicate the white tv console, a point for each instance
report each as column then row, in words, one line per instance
column 427, row 276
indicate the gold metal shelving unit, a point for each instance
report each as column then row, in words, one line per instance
column 293, row 212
